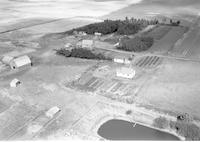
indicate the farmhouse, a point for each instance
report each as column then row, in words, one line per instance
column 125, row 72
column 87, row 44
column 22, row 61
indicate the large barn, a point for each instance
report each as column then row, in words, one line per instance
column 20, row 62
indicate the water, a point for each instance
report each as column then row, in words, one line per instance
column 124, row 130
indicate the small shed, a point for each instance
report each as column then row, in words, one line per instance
column 52, row 111
column 14, row 83
column 125, row 72
column 7, row 59
column 87, row 44
column 68, row 45
column 20, row 62
column 97, row 34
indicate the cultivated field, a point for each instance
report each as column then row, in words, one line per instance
column 148, row 62
column 158, row 32
column 166, row 43
column 188, row 46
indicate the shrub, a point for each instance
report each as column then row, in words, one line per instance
column 128, row 112
column 81, row 53
column 161, row 122
column 63, row 52
column 136, row 44
column 184, row 117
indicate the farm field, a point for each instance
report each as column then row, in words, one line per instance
column 148, row 62
column 188, row 47
column 158, row 32
column 166, row 43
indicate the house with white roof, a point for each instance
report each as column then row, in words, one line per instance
column 125, row 72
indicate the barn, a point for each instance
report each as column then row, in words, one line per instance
column 19, row 62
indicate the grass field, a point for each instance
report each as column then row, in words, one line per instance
column 188, row 46
column 175, row 87
column 167, row 43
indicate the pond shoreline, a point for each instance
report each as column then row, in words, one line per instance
column 118, row 117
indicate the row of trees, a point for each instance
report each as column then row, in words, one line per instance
column 136, row 44
column 124, row 27
column 81, row 53
column 184, row 126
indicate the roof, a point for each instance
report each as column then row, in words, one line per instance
column 21, row 61
column 52, row 111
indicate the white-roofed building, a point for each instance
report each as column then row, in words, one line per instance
column 14, row 83
column 125, row 72
column 20, row 62
column 52, row 111
column 122, row 60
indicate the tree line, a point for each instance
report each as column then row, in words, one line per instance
column 122, row 27
column 81, row 53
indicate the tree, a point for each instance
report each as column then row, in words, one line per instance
column 161, row 122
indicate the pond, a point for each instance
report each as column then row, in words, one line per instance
column 123, row 130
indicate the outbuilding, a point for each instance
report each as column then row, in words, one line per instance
column 97, row 34
column 122, row 60
column 22, row 61
column 68, row 45
column 52, row 111
column 125, row 72
column 14, row 83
